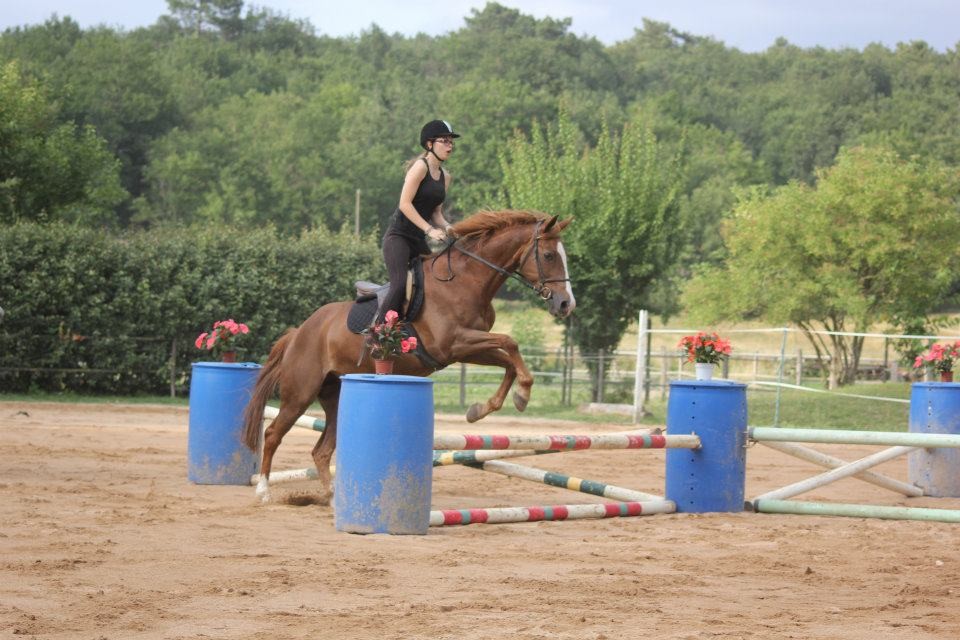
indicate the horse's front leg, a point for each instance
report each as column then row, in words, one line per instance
column 495, row 349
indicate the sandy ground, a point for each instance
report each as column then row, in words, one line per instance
column 103, row 537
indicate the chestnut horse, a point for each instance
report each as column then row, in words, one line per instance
column 453, row 325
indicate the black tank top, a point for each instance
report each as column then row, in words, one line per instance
column 430, row 195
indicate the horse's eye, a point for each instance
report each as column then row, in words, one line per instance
column 549, row 256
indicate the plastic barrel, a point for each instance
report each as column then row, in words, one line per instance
column 935, row 408
column 219, row 393
column 384, row 454
column 711, row 478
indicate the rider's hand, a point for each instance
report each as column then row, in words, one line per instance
column 437, row 235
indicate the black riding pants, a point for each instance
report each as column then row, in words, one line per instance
column 397, row 251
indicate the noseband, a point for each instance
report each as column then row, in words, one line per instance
column 539, row 287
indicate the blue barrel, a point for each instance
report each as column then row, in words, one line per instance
column 711, row 478
column 935, row 408
column 219, row 393
column 384, row 454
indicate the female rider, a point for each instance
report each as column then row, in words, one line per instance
column 420, row 213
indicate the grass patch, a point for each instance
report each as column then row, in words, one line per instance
column 834, row 410
column 72, row 397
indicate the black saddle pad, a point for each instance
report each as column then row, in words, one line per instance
column 361, row 313
column 365, row 308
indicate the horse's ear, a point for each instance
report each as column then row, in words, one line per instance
column 550, row 224
column 563, row 224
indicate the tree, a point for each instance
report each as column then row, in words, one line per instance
column 874, row 240
column 222, row 15
column 50, row 170
column 623, row 194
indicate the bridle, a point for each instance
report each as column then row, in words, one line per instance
column 540, row 287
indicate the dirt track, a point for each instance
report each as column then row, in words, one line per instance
column 103, row 537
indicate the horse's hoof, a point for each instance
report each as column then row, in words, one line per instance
column 520, row 402
column 263, row 491
column 475, row 412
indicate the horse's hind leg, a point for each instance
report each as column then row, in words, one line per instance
column 288, row 414
column 323, row 450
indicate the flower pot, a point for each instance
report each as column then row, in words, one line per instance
column 703, row 370
column 383, row 367
column 946, row 376
column 229, row 356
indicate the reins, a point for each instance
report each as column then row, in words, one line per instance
column 540, row 288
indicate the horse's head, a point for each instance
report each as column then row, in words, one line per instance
column 544, row 264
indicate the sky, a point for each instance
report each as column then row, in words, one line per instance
column 749, row 25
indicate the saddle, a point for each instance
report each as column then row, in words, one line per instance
column 369, row 297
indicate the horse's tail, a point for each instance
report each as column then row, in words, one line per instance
column 267, row 383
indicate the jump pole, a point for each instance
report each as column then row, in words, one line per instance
column 830, row 462
column 856, row 510
column 839, row 436
column 501, row 515
column 308, row 422
column 562, row 481
column 565, row 442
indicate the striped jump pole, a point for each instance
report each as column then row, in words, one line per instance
column 565, row 442
column 473, row 457
column 308, row 422
column 501, row 515
column 562, row 481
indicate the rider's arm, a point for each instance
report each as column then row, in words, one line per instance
column 437, row 218
column 411, row 182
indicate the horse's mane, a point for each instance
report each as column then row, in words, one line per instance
column 484, row 222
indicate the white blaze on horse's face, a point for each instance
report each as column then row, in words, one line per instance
column 566, row 270
column 566, row 310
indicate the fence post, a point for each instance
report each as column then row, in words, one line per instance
column 783, row 352
column 463, row 384
column 664, row 367
column 799, row 367
column 173, row 368
column 640, row 368
column 600, row 374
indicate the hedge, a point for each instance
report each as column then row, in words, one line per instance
column 93, row 312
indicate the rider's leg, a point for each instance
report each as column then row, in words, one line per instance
column 396, row 254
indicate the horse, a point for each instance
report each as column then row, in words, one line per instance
column 454, row 325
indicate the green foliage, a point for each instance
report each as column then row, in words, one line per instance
column 50, row 170
column 623, row 195
column 108, row 309
column 874, row 241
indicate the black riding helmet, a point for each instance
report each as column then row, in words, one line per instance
column 436, row 129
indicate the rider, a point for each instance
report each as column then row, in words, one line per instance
column 420, row 213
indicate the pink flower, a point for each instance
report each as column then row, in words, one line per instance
column 212, row 340
column 244, row 328
column 200, row 338
column 408, row 344
column 918, row 362
column 391, row 317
